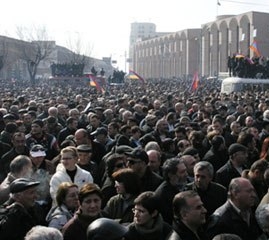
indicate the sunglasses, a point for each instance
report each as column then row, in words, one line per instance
column 120, row 165
column 37, row 149
column 133, row 162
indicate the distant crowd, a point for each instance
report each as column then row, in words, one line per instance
column 144, row 160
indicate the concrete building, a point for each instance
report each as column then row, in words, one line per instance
column 204, row 50
column 15, row 67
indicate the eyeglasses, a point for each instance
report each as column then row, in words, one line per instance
column 37, row 149
column 67, row 158
column 139, row 211
column 120, row 165
column 133, row 162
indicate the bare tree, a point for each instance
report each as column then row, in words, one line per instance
column 36, row 49
column 3, row 52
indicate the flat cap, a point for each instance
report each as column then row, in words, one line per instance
column 100, row 130
column 84, row 148
column 21, row 184
column 236, row 147
column 139, row 153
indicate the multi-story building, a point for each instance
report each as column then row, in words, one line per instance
column 204, row 50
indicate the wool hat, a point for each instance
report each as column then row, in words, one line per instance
column 236, row 147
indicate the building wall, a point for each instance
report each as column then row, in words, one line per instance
column 204, row 50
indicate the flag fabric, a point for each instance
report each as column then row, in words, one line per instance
column 134, row 76
column 254, row 48
column 94, row 83
column 195, row 82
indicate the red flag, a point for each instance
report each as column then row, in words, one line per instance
column 195, row 82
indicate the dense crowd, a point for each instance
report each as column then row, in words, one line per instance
column 144, row 160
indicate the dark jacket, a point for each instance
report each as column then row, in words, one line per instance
column 76, row 227
column 226, row 173
column 227, row 220
column 159, row 231
column 213, row 197
column 16, row 222
column 165, row 193
column 186, row 234
column 120, row 209
column 150, row 181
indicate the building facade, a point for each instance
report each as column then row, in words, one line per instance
column 204, row 50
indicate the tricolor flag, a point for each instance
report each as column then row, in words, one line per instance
column 195, row 82
column 94, row 83
column 134, row 76
column 254, row 48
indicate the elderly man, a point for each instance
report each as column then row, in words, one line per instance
column 19, row 216
column 236, row 216
column 212, row 194
column 175, row 178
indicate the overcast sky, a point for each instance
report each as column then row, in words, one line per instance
column 103, row 26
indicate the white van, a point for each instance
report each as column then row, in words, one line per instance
column 236, row 84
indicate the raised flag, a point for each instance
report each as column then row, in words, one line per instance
column 94, row 83
column 195, row 82
column 254, row 48
column 134, row 76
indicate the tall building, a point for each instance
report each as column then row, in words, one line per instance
column 205, row 49
column 141, row 31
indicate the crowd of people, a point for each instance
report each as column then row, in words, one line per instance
column 148, row 160
column 245, row 67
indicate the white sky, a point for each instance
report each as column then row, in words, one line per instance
column 103, row 26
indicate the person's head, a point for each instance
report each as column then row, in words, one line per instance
column 262, row 216
column 90, row 199
column 154, row 160
column 174, row 171
column 101, row 228
column 203, row 174
column 137, row 160
column 235, row 127
column 114, row 162
column 18, row 141
column 72, row 123
column 94, row 120
column 84, row 153
column 23, row 191
column 37, row 155
column 247, row 139
column 37, row 127
column 242, row 193
column 152, row 145
column 21, row 166
column 67, row 194
column 218, row 143
column 81, row 136
column 126, row 181
column 227, row 236
column 69, row 157
column 188, row 208
column 257, row 170
column 189, row 162
column 193, row 152
column 43, row 233
column 113, row 129
column 238, row 154
column 146, row 208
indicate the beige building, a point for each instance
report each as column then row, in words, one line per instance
column 204, row 50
